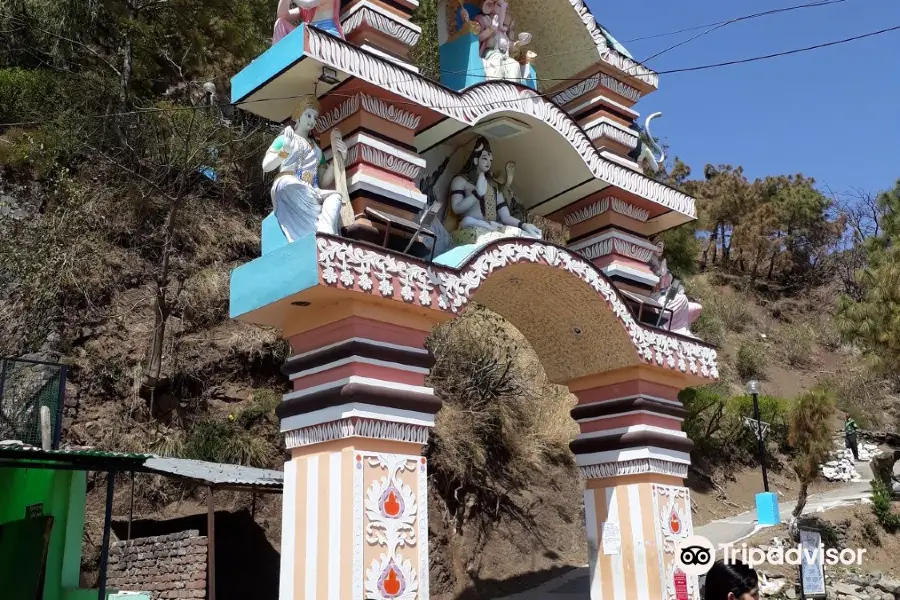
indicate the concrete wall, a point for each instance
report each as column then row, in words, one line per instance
column 168, row 566
column 61, row 494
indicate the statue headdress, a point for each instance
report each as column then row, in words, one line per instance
column 308, row 101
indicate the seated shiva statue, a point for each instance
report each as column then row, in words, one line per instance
column 301, row 206
column 478, row 211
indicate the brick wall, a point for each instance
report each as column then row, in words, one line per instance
column 168, row 566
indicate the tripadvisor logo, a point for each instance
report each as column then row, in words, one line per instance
column 695, row 555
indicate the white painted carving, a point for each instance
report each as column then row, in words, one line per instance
column 633, row 250
column 423, row 529
column 594, row 251
column 392, row 531
column 634, row 467
column 374, row 272
column 394, row 28
column 356, row 427
column 667, row 500
column 608, row 54
column 382, row 159
column 601, row 206
column 583, row 87
column 480, row 102
column 357, row 586
column 624, row 137
column 375, row 106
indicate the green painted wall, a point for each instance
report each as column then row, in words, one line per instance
column 62, row 494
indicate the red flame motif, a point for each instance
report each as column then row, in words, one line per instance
column 391, row 503
column 391, row 582
column 674, row 522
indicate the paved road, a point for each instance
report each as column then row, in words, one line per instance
column 576, row 583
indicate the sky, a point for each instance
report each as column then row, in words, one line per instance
column 832, row 114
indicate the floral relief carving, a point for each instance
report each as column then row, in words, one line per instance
column 672, row 510
column 343, row 264
column 391, row 511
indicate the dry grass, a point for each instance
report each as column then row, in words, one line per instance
column 797, row 344
column 502, row 424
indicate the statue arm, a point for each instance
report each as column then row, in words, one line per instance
column 292, row 14
column 503, row 214
column 326, row 174
column 461, row 200
column 275, row 155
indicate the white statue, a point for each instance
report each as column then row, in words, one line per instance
column 477, row 210
column 301, row 205
column 684, row 312
column 642, row 154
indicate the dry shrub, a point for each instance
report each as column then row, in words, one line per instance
column 502, row 425
column 797, row 343
column 862, row 393
column 750, row 362
column 724, row 309
column 204, row 300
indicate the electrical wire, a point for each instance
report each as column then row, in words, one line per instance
column 496, row 102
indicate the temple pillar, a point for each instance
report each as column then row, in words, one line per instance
column 355, row 522
column 634, row 458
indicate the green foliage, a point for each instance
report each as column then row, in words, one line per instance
column 873, row 322
column 751, row 361
column 715, row 423
column 237, row 439
column 881, row 507
column 681, row 250
column 425, row 54
column 809, row 433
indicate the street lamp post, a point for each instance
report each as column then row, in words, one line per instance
column 753, row 390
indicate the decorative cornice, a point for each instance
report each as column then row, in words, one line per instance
column 623, row 247
column 634, row 467
column 356, row 427
column 405, row 33
column 375, row 106
column 607, row 53
column 601, row 206
column 382, row 159
column 483, row 100
column 587, row 85
column 614, row 131
column 379, row 273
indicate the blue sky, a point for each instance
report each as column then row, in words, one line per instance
column 832, row 114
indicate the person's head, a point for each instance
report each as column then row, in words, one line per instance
column 731, row 581
column 306, row 113
column 481, row 159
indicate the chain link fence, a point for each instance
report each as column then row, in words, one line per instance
column 26, row 386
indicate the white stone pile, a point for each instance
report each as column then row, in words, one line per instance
column 841, row 466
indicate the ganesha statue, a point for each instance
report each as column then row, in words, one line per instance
column 502, row 58
column 478, row 210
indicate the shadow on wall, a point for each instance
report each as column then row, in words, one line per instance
column 241, row 548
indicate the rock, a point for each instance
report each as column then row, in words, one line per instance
column 886, row 584
column 846, row 589
column 790, row 593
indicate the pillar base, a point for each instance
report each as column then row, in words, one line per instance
column 767, row 509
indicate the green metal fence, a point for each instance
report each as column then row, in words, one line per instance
column 26, row 386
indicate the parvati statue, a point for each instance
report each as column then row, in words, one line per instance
column 477, row 211
column 301, row 206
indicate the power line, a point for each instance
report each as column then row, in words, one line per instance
column 494, row 103
column 734, row 20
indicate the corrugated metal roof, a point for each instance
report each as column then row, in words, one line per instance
column 216, row 473
column 37, row 453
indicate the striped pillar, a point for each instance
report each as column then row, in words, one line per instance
column 634, row 458
column 355, row 524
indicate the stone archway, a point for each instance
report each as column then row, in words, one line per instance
column 355, row 501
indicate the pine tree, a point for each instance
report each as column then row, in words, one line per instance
column 810, row 437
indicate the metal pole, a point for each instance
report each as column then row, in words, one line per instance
column 107, row 522
column 131, row 507
column 210, row 545
column 759, row 437
column 61, row 399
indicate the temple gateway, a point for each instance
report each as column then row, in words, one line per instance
column 521, row 181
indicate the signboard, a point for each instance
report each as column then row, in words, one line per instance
column 612, row 539
column 812, row 564
column 34, row 511
column 681, row 586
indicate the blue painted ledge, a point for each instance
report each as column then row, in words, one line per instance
column 267, row 65
column 280, row 273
